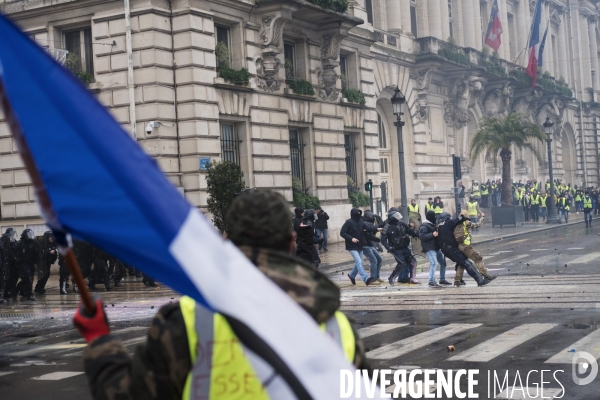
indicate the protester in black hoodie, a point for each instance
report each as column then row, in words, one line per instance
column 305, row 248
column 428, row 235
column 370, row 250
column 353, row 233
column 321, row 227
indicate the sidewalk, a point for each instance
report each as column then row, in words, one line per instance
column 337, row 254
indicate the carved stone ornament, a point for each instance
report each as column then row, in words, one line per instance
column 526, row 105
column 463, row 91
column 267, row 71
column 422, row 110
column 498, row 101
column 330, row 47
column 552, row 108
column 327, row 82
column 271, row 30
column 424, row 77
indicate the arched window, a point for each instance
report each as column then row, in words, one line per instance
column 381, row 130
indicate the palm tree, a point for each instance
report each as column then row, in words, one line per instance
column 497, row 136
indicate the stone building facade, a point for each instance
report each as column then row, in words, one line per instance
column 172, row 100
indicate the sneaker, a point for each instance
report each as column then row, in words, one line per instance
column 445, row 282
column 380, row 280
column 415, row 282
column 434, row 284
column 391, row 281
column 368, row 281
column 462, row 282
column 352, row 279
column 374, row 282
column 325, row 248
column 457, row 284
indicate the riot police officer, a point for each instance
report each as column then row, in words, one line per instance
column 396, row 240
column 28, row 254
column 49, row 256
column 9, row 260
column 450, row 249
column 100, row 274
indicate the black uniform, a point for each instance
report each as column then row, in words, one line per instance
column 28, row 255
column 396, row 239
column 49, row 255
column 305, row 236
column 449, row 246
column 117, row 271
column 10, row 266
column 101, row 273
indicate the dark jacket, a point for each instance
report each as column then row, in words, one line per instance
column 370, row 240
column 397, row 232
column 305, row 248
column 354, row 228
column 321, row 222
column 446, row 232
column 28, row 252
column 428, row 241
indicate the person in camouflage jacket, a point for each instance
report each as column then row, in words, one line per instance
column 159, row 368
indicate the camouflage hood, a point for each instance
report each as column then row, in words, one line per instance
column 311, row 289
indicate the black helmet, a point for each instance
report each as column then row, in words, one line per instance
column 368, row 216
column 445, row 216
column 309, row 214
column 27, row 234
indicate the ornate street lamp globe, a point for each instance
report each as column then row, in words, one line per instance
column 397, row 101
column 548, row 127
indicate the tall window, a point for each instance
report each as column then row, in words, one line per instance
column 369, row 9
column 79, row 43
column 297, row 156
column 230, row 145
column 344, row 71
column 413, row 17
column 450, row 17
column 289, row 54
column 383, row 165
column 222, row 37
column 381, row 130
column 350, row 149
column 512, row 37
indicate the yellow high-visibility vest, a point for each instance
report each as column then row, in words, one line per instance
column 220, row 365
column 587, row 203
column 543, row 201
column 535, row 200
column 467, row 240
column 414, row 208
column 484, row 190
column 472, row 209
column 438, row 209
column 428, row 207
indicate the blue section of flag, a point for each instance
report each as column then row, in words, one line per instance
column 534, row 38
column 103, row 187
column 542, row 45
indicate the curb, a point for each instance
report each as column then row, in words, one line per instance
column 513, row 235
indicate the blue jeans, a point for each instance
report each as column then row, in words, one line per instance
column 358, row 265
column 324, row 232
column 375, row 260
column 432, row 257
column 588, row 217
column 543, row 212
column 442, row 262
column 474, row 220
column 565, row 213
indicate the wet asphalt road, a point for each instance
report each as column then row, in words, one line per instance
column 527, row 319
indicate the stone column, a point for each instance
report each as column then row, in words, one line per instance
column 575, row 47
column 404, row 15
column 435, row 18
column 594, row 51
column 585, row 51
column 458, row 25
column 504, row 49
column 468, row 16
column 562, row 48
column 445, row 18
column 477, row 19
column 394, row 16
column 523, row 26
column 422, row 19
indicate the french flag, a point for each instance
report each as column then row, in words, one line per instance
column 104, row 189
column 494, row 31
column 535, row 43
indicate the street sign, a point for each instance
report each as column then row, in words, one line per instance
column 204, row 162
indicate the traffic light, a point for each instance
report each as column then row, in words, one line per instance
column 456, row 167
column 458, row 208
column 369, row 186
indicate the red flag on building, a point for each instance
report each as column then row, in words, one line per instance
column 492, row 37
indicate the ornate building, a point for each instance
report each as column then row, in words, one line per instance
column 314, row 106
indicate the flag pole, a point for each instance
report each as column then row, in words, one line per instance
column 48, row 212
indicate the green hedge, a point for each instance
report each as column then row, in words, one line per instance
column 354, row 96
column 335, row 5
column 300, row 86
column 453, row 55
column 237, row 77
column 359, row 199
column 306, row 201
column 494, row 68
column 521, row 76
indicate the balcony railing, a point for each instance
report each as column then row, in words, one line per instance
column 386, row 38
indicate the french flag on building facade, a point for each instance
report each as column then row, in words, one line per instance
column 492, row 37
column 535, row 44
column 104, row 189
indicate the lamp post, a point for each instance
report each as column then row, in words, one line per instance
column 397, row 102
column 552, row 216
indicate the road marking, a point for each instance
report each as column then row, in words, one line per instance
column 502, row 343
column 575, row 248
column 511, row 259
column 584, row 259
column 36, row 349
column 588, row 344
column 379, row 328
column 407, row 345
column 537, row 393
column 539, row 250
column 6, row 373
column 57, row 376
column 544, row 259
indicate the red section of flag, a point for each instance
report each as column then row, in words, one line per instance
column 492, row 38
column 532, row 66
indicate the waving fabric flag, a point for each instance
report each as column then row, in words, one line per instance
column 535, row 43
column 106, row 190
column 542, row 46
column 492, row 37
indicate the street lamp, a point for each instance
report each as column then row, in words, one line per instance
column 398, row 101
column 552, row 216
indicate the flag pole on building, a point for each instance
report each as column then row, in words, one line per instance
column 63, row 239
